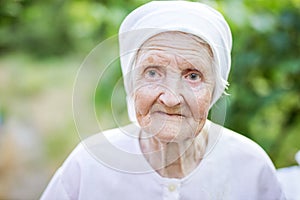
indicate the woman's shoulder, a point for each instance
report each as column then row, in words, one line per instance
column 239, row 146
column 116, row 149
column 122, row 138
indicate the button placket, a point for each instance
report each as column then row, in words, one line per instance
column 171, row 190
column 172, row 187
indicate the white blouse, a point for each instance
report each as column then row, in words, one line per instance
column 110, row 165
column 289, row 177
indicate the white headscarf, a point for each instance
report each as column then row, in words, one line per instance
column 189, row 17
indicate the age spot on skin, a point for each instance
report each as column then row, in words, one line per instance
column 150, row 59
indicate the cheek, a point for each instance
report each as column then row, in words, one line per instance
column 201, row 104
column 144, row 99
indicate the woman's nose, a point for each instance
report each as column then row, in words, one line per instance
column 170, row 97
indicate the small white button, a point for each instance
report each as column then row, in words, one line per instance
column 172, row 187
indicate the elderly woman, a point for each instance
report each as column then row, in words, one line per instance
column 175, row 58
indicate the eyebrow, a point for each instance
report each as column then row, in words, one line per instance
column 184, row 71
column 162, row 62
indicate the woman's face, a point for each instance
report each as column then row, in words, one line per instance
column 173, row 86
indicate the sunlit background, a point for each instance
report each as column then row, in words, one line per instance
column 43, row 43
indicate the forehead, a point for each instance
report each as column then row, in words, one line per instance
column 163, row 57
column 187, row 49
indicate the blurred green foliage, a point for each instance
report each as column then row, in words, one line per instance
column 265, row 91
column 57, row 27
column 264, row 101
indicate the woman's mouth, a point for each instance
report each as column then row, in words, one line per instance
column 169, row 114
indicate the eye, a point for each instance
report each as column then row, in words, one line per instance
column 193, row 76
column 152, row 73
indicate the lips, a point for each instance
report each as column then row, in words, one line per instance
column 169, row 114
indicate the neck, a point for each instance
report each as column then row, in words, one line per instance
column 174, row 159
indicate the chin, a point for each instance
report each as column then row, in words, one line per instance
column 167, row 137
column 169, row 129
column 172, row 133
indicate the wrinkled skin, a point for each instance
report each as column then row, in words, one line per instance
column 173, row 86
